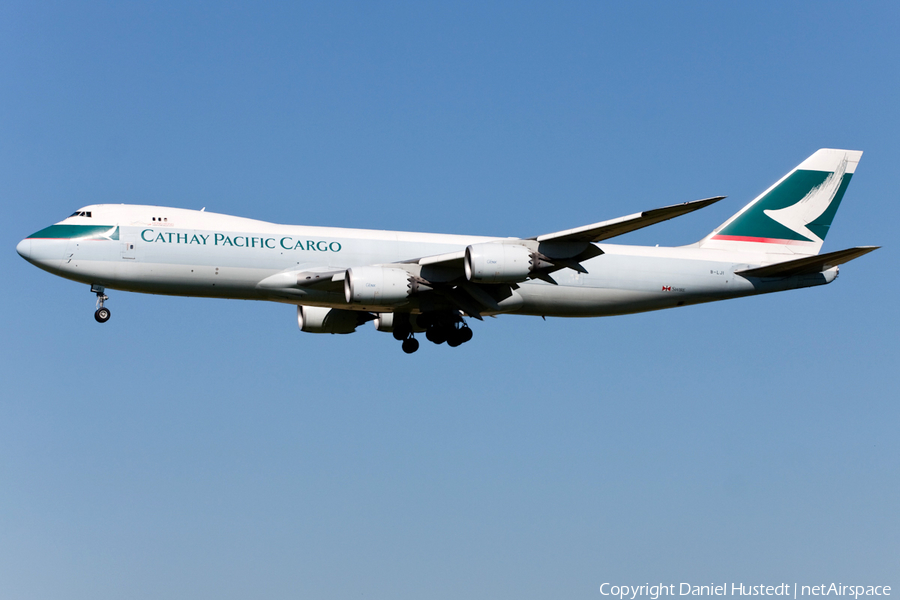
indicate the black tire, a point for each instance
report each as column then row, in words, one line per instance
column 102, row 315
column 438, row 334
column 465, row 334
column 402, row 328
column 432, row 334
column 410, row 345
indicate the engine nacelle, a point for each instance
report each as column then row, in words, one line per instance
column 316, row 319
column 499, row 263
column 380, row 286
column 384, row 322
column 390, row 321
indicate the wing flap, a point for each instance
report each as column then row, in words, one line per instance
column 809, row 265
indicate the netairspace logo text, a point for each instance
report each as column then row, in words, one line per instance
column 654, row 592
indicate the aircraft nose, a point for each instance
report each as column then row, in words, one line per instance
column 24, row 248
column 45, row 254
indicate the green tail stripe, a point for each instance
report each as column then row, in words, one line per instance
column 755, row 223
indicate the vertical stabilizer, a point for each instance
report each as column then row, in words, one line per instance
column 792, row 216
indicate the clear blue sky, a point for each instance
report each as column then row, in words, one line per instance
column 207, row 449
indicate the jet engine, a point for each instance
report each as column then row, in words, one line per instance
column 403, row 322
column 381, row 286
column 316, row 319
column 501, row 263
column 384, row 322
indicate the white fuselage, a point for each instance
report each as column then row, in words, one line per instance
column 175, row 251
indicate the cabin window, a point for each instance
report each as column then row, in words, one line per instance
column 80, row 213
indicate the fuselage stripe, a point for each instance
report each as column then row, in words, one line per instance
column 758, row 240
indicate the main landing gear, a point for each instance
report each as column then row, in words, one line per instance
column 102, row 314
column 443, row 327
column 440, row 327
column 403, row 333
column 410, row 344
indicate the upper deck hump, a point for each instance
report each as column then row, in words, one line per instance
column 136, row 215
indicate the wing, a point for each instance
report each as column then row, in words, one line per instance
column 329, row 279
column 444, row 275
column 579, row 237
column 608, row 229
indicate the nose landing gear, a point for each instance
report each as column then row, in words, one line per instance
column 102, row 314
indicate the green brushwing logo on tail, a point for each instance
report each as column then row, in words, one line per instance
column 800, row 209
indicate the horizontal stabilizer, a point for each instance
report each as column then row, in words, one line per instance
column 809, row 265
column 612, row 228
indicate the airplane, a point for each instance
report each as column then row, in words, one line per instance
column 410, row 283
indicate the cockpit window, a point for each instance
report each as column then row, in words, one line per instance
column 81, row 213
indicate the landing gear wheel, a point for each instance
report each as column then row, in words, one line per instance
column 410, row 345
column 436, row 334
column 402, row 327
column 459, row 336
column 101, row 315
column 455, row 338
